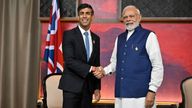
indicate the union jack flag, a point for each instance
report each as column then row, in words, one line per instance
column 53, row 51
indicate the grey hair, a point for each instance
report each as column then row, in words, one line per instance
column 131, row 6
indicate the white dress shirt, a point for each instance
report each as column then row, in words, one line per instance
column 90, row 38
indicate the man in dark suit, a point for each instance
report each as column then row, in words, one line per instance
column 82, row 57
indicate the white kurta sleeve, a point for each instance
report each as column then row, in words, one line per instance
column 153, row 50
column 112, row 66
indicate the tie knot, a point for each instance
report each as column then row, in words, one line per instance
column 86, row 33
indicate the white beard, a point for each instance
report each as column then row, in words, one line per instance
column 131, row 27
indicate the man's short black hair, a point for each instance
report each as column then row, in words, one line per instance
column 85, row 5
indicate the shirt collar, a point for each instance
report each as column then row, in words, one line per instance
column 82, row 30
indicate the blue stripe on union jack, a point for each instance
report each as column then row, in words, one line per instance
column 53, row 51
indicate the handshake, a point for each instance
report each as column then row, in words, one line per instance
column 98, row 72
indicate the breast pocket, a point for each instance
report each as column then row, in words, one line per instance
column 139, row 49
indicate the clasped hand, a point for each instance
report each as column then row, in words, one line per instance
column 99, row 72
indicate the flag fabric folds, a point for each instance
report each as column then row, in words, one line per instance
column 53, row 54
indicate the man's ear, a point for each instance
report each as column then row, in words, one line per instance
column 140, row 17
column 93, row 17
column 78, row 18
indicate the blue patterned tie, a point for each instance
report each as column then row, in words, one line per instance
column 87, row 44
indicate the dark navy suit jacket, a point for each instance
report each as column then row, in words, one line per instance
column 76, row 68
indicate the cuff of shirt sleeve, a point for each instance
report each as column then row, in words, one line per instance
column 107, row 71
column 90, row 68
column 153, row 89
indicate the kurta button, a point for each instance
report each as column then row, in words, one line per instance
column 124, row 53
column 125, row 45
column 122, row 69
column 121, row 78
column 123, row 61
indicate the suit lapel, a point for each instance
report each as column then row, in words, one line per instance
column 93, row 43
column 81, row 42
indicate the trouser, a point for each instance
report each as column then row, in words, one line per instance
column 131, row 103
column 78, row 100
